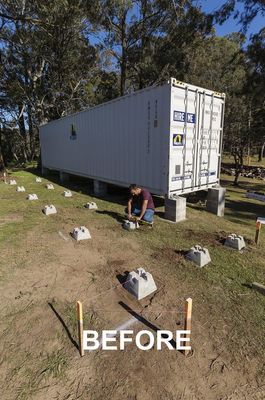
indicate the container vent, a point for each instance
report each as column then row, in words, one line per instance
column 73, row 132
column 177, row 169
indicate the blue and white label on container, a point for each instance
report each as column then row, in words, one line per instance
column 178, row 139
column 180, row 178
column 181, row 116
column 210, row 173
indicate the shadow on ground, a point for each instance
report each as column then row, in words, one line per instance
column 64, row 325
column 144, row 321
column 116, row 194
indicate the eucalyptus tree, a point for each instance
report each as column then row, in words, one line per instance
column 48, row 63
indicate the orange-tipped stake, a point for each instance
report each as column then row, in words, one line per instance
column 80, row 326
column 258, row 228
column 187, row 323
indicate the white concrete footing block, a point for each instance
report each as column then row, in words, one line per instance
column 67, row 193
column 130, row 225
column 12, row 182
column 81, row 233
column 48, row 210
column 49, row 186
column 140, row 283
column 38, row 179
column 235, row 241
column 91, row 205
column 32, row 197
column 175, row 208
column 199, row 255
column 20, row 189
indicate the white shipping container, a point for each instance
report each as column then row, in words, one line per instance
column 166, row 138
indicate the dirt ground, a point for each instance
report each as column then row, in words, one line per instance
column 44, row 272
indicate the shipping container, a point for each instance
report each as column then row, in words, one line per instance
column 165, row 138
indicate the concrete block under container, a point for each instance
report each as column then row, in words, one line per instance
column 44, row 170
column 175, row 209
column 100, row 188
column 64, row 176
column 216, row 201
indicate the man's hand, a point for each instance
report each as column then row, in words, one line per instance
column 129, row 216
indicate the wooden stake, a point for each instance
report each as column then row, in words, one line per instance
column 80, row 326
column 187, row 323
column 260, row 288
column 258, row 228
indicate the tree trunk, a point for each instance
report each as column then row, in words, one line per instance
column 261, row 152
column 31, row 135
column 2, row 163
column 238, row 167
column 143, row 45
column 123, row 55
column 23, row 132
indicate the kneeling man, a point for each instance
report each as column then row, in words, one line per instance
column 141, row 204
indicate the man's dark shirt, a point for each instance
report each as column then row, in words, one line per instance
column 144, row 195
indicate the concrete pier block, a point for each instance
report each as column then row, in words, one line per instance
column 50, row 186
column 199, row 255
column 216, row 201
column 91, row 205
column 20, row 189
column 64, row 176
column 48, row 210
column 140, row 283
column 175, row 209
column 67, row 193
column 235, row 241
column 81, row 233
column 130, row 225
column 32, row 197
column 100, row 188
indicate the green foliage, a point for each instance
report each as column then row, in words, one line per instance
column 251, row 8
column 61, row 57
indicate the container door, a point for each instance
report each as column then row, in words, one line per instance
column 183, row 134
column 209, row 134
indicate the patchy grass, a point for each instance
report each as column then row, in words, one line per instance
column 51, row 365
column 220, row 291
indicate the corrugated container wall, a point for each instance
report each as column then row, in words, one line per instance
column 166, row 138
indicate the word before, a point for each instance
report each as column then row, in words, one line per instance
column 91, row 339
